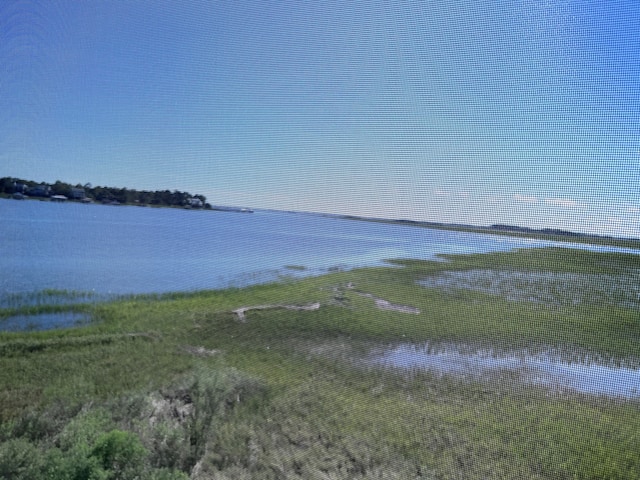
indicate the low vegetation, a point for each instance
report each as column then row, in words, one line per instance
column 176, row 387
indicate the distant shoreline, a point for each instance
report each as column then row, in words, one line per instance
column 554, row 235
column 549, row 234
column 213, row 208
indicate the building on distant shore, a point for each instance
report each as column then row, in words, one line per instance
column 19, row 187
column 77, row 193
column 195, row 203
column 42, row 190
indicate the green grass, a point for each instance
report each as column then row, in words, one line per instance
column 292, row 400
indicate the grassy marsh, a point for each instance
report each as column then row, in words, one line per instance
column 290, row 397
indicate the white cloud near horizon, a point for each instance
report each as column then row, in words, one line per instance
column 525, row 198
column 563, row 202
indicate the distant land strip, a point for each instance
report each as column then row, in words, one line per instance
column 550, row 234
column 61, row 191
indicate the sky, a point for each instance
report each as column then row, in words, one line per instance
column 525, row 112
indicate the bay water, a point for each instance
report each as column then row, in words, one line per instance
column 106, row 249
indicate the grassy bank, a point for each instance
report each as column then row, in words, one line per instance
column 179, row 386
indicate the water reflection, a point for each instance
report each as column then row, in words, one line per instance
column 546, row 369
column 43, row 321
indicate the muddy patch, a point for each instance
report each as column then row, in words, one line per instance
column 548, row 368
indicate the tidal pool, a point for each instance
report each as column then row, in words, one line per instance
column 43, row 321
column 547, row 369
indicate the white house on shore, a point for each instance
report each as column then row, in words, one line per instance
column 195, row 203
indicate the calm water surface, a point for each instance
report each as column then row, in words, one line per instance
column 129, row 250
column 547, row 369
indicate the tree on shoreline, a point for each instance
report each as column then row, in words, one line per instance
column 10, row 186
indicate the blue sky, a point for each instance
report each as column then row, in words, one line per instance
column 524, row 112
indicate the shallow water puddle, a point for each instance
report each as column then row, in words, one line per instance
column 537, row 369
column 43, row 321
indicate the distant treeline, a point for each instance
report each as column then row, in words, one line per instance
column 545, row 231
column 20, row 188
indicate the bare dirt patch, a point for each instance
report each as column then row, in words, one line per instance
column 173, row 409
column 240, row 312
column 383, row 304
column 199, row 351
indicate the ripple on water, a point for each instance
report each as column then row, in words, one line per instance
column 546, row 369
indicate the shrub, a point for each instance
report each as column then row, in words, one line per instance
column 19, row 459
column 121, row 454
column 84, row 430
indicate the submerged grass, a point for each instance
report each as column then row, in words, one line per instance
column 295, row 399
